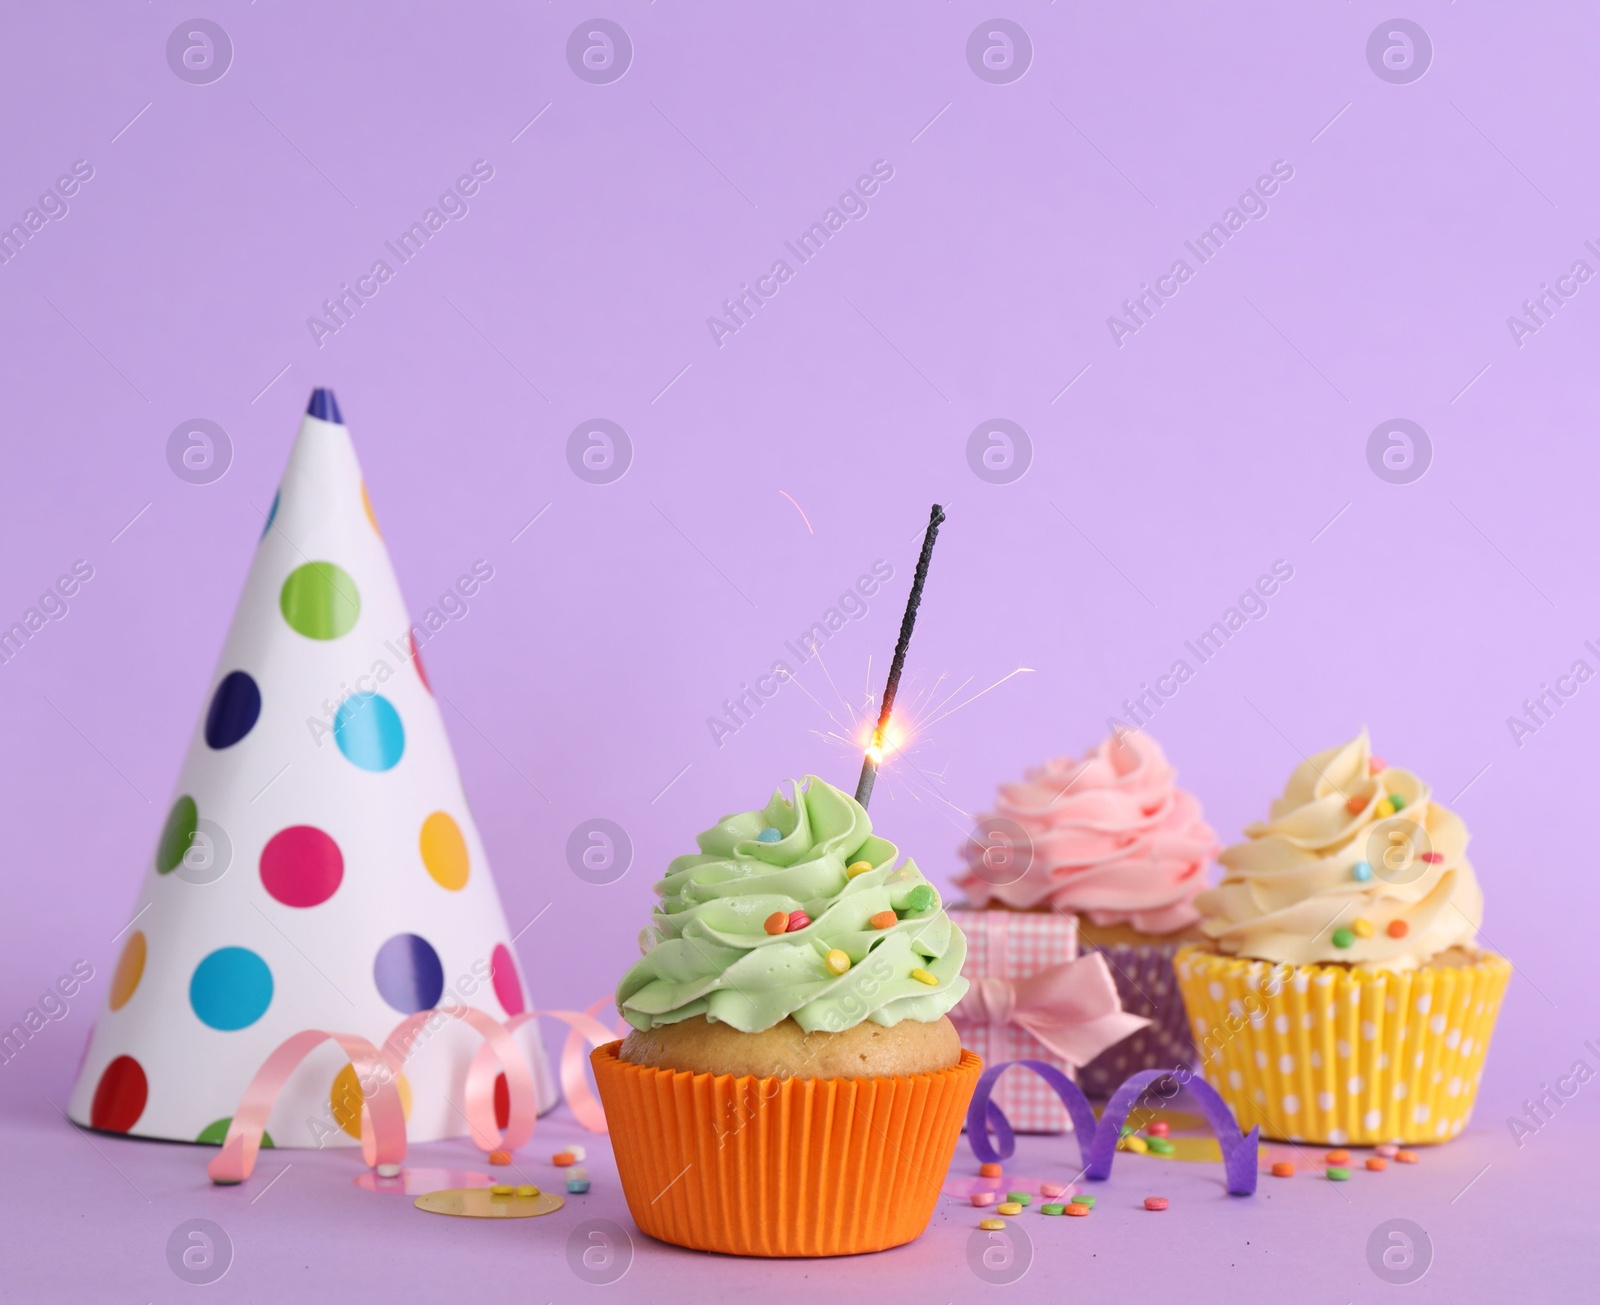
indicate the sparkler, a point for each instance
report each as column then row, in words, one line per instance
column 869, row 764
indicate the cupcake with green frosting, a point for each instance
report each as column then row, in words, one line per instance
column 789, row 1030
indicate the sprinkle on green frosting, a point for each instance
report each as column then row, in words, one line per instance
column 707, row 952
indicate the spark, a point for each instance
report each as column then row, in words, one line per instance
column 1021, row 670
column 829, row 676
column 796, row 680
column 800, row 510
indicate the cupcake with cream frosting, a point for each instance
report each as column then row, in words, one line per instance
column 1340, row 994
column 792, row 1084
column 1111, row 839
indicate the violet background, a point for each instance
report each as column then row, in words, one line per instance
column 1166, row 474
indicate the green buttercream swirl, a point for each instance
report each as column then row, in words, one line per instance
column 708, row 952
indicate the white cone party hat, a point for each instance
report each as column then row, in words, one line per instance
column 319, row 867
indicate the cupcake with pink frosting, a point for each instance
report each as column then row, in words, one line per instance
column 1111, row 839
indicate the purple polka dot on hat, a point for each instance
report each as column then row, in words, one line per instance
column 408, row 973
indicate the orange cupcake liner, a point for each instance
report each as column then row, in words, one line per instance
column 1336, row 1056
column 782, row 1166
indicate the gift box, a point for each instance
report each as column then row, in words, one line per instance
column 1034, row 998
column 1148, row 987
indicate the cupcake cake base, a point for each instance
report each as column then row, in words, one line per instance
column 1337, row 1055
column 864, row 1050
column 782, row 1166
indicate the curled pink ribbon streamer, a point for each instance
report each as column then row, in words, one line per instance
column 498, row 1048
column 383, row 1119
column 582, row 1027
column 1071, row 1008
column 383, row 1124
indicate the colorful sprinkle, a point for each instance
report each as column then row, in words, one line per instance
column 1079, row 1211
column 1398, row 929
column 1008, row 1207
column 922, row 976
column 499, row 1157
column 1160, row 1146
column 1361, row 928
column 501, row 1189
column 561, row 1159
column 1052, row 1189
column 1082, row 1199
column 1384, row 809
column 1397, row 802
column 1406, row 1157
column 1135, row 1144
column 1159, row 1129
column 992, row 1225
column 1376, row 765
column 1433, row 858
column 388, row 1171
column 527, row 1189
column 1019, row 1198
column 990, row 1169
column 577, row 1186
column 1155, row 1203
column 1054, row 1207
column 1343, row 937
column 981, row 1199
column 857, row 868
column 1388, row 1150
column 837, row 961
column 769, row 835
column 1338, row 1173
column 1362, row 871
column 1339, row 1157
column 884, row 920
column 1377, row 1163
column 1283, row 1169
column 1355, row 804
column 577, row 1153
column 798, row 920
column 921, row 898
column 777, row 922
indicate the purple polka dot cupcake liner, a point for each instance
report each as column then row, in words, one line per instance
column 1148, row 987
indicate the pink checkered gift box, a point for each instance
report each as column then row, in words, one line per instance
column 1015, row 945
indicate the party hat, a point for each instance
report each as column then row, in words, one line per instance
column 319, row 867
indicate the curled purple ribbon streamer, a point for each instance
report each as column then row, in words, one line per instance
column 1097, row 1141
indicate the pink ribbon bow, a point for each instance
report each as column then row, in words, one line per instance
column 1072, row 1008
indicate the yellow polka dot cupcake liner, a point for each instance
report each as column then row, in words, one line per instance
column 1336, row 1056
